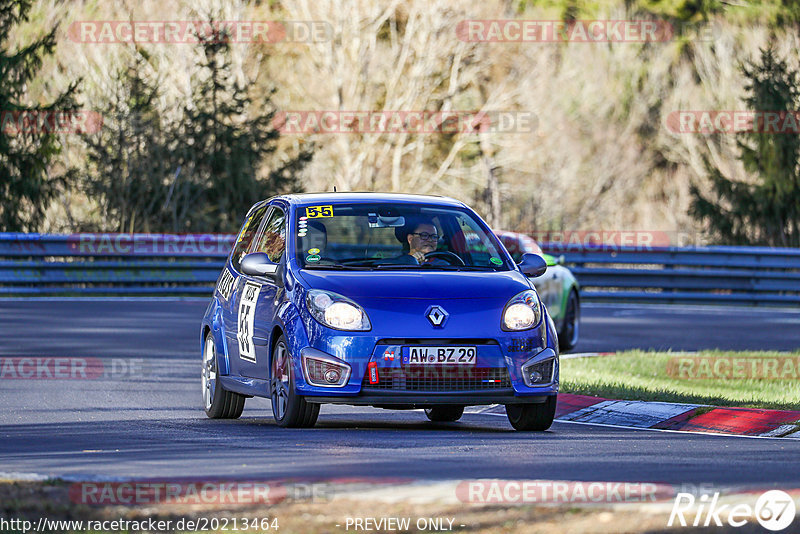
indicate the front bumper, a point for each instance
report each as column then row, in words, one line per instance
column 427, row 399
column 496, row 377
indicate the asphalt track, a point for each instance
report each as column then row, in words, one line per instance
column 148, row 423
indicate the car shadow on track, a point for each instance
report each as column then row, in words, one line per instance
column 391, row 423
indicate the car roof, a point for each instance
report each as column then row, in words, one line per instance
column 304, row 199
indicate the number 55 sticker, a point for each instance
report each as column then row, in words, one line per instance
column 315, row 212
column 247, row 312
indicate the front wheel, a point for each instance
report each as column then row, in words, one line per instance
column 218, row 403
column 444, row 414
column 289, row 409
column 532, row 416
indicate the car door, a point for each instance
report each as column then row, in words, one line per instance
column 230, row 312
column 260, row 297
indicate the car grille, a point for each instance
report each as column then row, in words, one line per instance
column 439, row 378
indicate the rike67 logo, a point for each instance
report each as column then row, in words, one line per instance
column 774, row 510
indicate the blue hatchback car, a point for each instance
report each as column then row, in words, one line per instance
column 386, row 300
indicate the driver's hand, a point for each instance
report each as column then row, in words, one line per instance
column 419, row 256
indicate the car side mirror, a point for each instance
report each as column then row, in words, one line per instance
column 532, row 265
column 259, row 264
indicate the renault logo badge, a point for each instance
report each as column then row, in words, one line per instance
column 437, row 316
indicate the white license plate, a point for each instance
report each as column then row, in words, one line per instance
column 442, row 355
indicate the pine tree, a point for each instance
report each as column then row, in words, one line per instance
column 197, row 171
column 26, row 186
column 133, row 167
column 765, row 211
column 226, row 140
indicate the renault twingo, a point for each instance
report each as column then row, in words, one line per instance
column 387, row 300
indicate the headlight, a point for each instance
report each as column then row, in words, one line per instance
column 335, row 311
column 522, row 311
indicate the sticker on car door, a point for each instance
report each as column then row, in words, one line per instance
column 225, row 284
column 247, row 312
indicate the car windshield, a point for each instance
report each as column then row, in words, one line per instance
column 393, row 237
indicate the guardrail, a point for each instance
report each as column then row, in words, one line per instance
column 732, row 275
column 111, row 264
column 185, row 265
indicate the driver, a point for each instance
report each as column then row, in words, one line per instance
column 419, row 237
column 422, row 240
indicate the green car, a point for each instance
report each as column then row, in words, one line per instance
column 557, row 288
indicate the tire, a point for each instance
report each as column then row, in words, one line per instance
column 289, row 409
column 568, row 335
column 444, row 414
column 218, row 402
column 537, row 417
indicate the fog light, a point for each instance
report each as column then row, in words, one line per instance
column 332, row 376
column 535, row 377
column 540, row 370
column 323, row 370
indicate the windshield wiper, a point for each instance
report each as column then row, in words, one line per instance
column 474, row 268
column 466, row 268
column 332, row 267
column 390, row 266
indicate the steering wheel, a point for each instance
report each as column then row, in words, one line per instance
column 449, row 257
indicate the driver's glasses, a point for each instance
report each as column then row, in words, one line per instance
column 425, row 236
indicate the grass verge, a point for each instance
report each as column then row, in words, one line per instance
column 720, row 378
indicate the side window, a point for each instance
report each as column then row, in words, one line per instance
column 273, row 239
column 513, row 248
column 477, row 244
column 248, row 231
